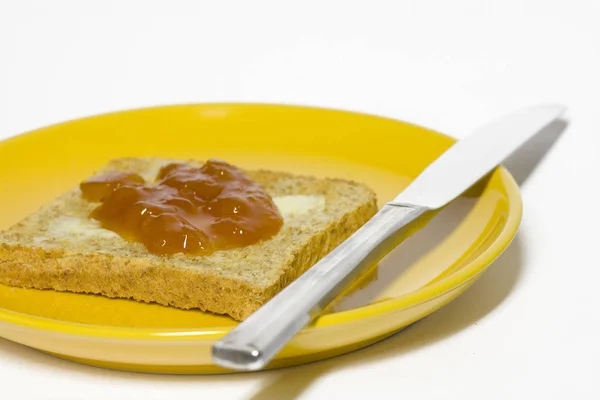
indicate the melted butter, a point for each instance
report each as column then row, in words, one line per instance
column 78, row 227
column 298, row 204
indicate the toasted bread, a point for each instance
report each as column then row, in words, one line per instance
column 60, row 248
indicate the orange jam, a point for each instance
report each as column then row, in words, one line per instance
column 188, row 210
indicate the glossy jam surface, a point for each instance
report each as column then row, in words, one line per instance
column 187, row 210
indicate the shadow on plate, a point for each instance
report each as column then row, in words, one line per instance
column 485, row 295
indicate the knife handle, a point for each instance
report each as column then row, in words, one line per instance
column 255, row 341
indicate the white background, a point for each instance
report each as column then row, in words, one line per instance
column 528, row 329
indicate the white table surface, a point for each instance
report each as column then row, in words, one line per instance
column 528, row 329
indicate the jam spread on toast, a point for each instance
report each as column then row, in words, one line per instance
column 194, row 210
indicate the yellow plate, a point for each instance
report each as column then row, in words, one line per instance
column 123, row 334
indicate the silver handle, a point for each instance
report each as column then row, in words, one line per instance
column 255, row 341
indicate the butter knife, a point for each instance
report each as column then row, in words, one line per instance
column 255, row 341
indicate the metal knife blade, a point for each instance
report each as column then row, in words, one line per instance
column 470, row 159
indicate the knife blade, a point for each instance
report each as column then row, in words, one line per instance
column 256, row 340
column 472, row 158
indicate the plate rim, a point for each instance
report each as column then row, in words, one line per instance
column 461, row 277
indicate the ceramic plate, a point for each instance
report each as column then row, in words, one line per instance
column 383, row 153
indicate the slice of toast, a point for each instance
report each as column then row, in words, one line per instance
column 60, row 248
